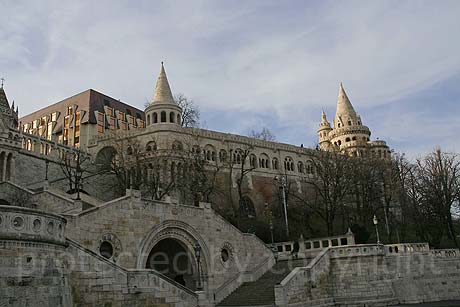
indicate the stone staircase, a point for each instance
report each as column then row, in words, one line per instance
column 261, row 292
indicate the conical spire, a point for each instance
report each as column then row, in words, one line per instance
column 344, row 106
column 4, row 105
column 345, row 113
column 162, row 92
column 324, row 122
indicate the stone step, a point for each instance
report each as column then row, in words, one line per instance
column 261, row 292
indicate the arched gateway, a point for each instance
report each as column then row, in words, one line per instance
column 169, row 248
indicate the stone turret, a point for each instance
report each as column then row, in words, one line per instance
column 8, row 116
column 163, row 109
column 349, row 134
column 323, row 133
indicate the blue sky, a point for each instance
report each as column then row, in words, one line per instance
column 249, row 64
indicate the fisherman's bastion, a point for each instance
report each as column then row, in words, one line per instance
column 72, row 236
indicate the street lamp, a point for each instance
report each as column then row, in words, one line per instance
column 197, row 249
column 376, row 222
column 283, row 194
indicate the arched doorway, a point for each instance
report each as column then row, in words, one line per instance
column 177, row 240
column 170, row 257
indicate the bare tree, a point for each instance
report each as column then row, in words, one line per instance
column 265, row 134
column 74, row 165
column 439, row 186
column 190, row 111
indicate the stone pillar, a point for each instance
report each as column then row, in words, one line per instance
column 12, row 166
column 3, row 166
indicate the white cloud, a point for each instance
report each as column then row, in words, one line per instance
column 286, row 59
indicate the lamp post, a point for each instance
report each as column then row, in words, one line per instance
column 47, row 163
column 283, row 195
column 376, row 222
column 197, row 249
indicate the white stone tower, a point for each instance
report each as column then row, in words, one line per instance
column 323, row 133
column 348, row 135
column 163, row 109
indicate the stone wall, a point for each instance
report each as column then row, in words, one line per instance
column 134, row 225
column 373, row 275
column 39, row 267
column 96, row 281
column 30, row 243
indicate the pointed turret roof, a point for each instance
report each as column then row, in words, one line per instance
column 162, row 92
column 324, row 123
column 4, row 104
column 344, row 106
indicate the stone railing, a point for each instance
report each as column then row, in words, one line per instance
column 404, row 248
column 297, row 287
column 18, row 223
column 446, row 253
column 311, row 247
column 292, row 289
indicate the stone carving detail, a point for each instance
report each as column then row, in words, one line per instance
column 18, row 222
column 226, row 255
column 116, row 243
column 37, row 224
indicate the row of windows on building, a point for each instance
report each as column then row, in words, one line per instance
column 116, row 120
column 348, row 139
column 163, row 118
column 262, row 162
column 348, row 122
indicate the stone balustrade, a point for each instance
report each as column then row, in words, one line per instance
column 404, row 248
column 310, row 247
column 23, row 224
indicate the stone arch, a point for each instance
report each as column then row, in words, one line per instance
column 163, row 116
column 148, row 119
column 154, row 118
column 184, row 234
column 209, row 152
column 105, row 156
column 171, row 117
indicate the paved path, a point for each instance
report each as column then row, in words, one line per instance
column 434, row 304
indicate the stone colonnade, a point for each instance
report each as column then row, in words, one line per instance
column 6, row 166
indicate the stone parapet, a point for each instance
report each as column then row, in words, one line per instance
column 23, row 224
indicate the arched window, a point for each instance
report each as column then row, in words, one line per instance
column 129, row 150
column 247, row 208
column 163, row 116
column 338, row 125
column 209, row 153
column 222, row 155
column 349, row 122
column 300, row 167
column 171, row 117
column 148, row 119
column 155, row 118
column 347, row 140
column 263, row 161
column 339, row 142
column 288, row 164
column 237, row 159
column 151, row 146
column 275, row 164
column 354, row 138
column 178, row 119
